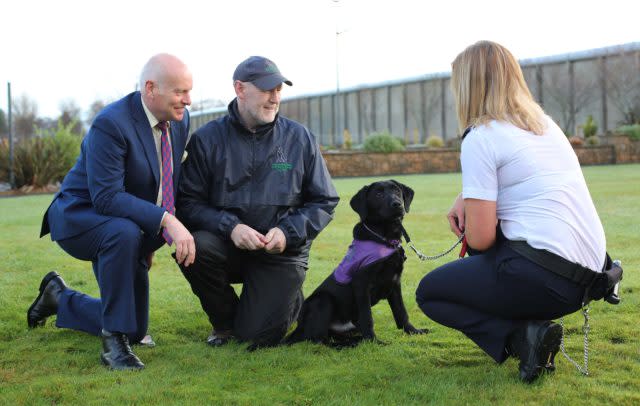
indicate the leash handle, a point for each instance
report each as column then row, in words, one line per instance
column 463, row 249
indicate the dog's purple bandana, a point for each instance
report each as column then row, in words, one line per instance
column 360, row 254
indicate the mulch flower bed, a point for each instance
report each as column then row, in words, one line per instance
column 30, row 190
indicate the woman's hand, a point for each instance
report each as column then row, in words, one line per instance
column 476, row 218
column 456, row 216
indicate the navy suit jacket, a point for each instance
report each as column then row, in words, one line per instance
column 116, row 175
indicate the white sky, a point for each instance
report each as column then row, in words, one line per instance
column 87, row 50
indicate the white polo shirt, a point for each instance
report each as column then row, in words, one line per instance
column 539, row 189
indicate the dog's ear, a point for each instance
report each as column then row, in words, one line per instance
column 407, row 194
column 359, row 202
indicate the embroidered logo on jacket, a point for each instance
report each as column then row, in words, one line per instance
column 281, row 164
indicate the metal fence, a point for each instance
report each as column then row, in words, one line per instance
column 603, row 82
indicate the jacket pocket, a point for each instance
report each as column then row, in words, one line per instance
column 287, row 188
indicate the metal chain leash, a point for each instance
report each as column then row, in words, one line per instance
column 424, row 257
column 584, row 370
column 612, row 298
column 410, row 244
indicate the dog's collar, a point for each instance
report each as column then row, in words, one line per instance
column 393, row 243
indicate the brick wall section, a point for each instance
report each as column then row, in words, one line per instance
column 407, row 162
column 627, row 151
column 617, row 149
column 600, row 155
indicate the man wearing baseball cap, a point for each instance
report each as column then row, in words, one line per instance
column 255, row 193
column 261, row 72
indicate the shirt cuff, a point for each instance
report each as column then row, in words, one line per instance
column 161, row 220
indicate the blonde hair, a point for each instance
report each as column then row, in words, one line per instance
column 488, row 84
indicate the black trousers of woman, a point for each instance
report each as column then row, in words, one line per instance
column 490, row 295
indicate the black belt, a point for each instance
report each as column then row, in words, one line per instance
column 555, row 263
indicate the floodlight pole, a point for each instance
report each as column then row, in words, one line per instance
column 11, row 174
column 337, row 116
column 337, row 126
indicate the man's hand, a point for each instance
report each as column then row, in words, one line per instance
column 185, row 245
column 456, row 216
column 276, row 241
column 246, row 238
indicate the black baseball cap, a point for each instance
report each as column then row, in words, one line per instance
column 260, row 71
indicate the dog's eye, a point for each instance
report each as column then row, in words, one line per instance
column 379, row 193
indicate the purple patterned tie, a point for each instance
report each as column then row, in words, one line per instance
column 167, row 176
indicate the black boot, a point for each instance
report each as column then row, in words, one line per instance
column 116, row 352
column 515, row 343
column 536, row 345
column 46, row 304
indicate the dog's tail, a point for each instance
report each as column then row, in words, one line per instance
column 295, row 337
column 298, row 333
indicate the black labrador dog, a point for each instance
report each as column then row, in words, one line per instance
column 338, row 312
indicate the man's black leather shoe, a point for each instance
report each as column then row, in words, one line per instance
column 116, row 352
column 146, row 341
column 218, row 339
column 46, row 304
column 538, row 348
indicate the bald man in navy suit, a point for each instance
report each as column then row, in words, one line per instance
column 115, row 208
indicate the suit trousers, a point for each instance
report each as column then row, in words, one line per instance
column 489, row 295
column 271, row 295
column 118, row 251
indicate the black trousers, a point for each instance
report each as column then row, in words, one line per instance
column 489, row 295
column 271, row 295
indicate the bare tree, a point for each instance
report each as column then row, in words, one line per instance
column 25, row 114
column 94, row 109
column 623, row 85
column 70, row 113
column 570, row 91
column 422, row 111
column 42, row 124
column 4, row 125
column 207, row 104
column 368, row 114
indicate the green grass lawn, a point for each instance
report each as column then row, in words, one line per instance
column 56, row 366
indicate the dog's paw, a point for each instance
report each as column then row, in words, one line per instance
column 375, row 340
column 412, row 330
column 253, row 347
column 379, row 341
column 262, row 345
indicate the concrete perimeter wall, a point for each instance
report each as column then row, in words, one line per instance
column 615, row 150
